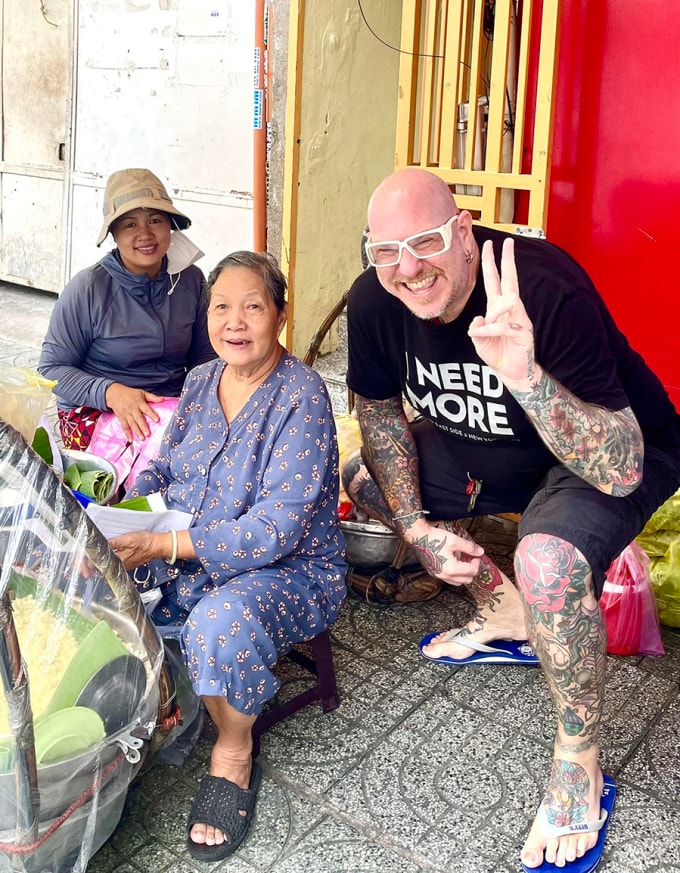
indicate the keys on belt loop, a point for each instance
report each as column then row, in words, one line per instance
column 472, row 489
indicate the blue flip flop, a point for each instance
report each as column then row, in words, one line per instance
column 592, row 857
column 501, row 652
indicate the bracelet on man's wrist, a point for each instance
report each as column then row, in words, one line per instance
column 417, row 513
column 173, row 557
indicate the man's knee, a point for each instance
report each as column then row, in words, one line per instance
column 551, row 571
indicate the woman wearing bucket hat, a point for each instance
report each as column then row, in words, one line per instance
column 125, row 332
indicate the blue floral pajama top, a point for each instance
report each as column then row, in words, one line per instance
column 263, row 492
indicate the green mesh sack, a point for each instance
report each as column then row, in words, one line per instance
column 661, row 540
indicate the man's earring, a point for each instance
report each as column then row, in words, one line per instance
column 468, row 258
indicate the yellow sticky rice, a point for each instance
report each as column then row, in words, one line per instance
column 47, row 648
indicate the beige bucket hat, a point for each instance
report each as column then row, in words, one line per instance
column 134, row 188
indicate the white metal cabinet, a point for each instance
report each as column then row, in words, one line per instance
column 36, row 89
column 166, row 85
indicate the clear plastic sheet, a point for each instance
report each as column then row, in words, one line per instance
column 86, row 697
column 24, row 395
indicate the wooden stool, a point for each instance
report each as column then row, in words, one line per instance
column 325, row 689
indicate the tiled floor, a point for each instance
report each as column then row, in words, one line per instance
column 422, row 767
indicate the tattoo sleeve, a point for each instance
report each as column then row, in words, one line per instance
column 568, row 632
column 390, row 452
column 603, row 447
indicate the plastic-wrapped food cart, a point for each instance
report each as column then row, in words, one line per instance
column 87, row 693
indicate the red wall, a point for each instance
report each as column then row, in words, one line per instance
column 615, row 183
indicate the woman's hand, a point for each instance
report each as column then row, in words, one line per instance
column 504, row 336
column 140, row 547
column 131, row 406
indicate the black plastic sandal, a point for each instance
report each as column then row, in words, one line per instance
column 218, row 804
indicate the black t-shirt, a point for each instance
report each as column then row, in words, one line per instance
column 435, row 366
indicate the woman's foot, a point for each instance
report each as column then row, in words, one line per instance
column 572, row 797
column 237, row 770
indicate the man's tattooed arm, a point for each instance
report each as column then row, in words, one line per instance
column 391, row 455
column 603, row 447
column 392, row 459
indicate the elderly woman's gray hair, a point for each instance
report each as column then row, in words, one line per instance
column 259, row 262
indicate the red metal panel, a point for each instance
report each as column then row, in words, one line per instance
column 615, row 185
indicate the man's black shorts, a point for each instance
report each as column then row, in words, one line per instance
column 563, row 505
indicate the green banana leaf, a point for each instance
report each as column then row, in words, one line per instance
column 96, row 484
column 41, row 444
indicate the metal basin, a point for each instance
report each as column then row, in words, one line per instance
column 371, row 544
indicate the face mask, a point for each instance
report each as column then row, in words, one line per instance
column 182, row 253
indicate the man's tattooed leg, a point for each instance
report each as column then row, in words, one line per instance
column 569, row 637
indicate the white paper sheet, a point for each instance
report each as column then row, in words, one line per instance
column 113, row 522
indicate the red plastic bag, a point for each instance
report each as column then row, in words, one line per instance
column 629, row 606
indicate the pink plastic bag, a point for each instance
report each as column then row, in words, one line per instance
column 130, row 457
column 629, row 606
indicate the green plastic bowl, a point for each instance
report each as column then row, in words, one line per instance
column 67, row 734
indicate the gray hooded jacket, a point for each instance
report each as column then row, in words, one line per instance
column 110, row 325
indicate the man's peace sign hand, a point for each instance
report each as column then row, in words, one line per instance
column 504, row 336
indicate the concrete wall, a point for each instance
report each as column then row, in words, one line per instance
column 347, row 139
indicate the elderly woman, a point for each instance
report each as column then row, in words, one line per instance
column 252, row 454
column 125, row 332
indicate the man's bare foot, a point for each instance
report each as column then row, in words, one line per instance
column 500, row 616
column 572, row 797
column 478, row 630
column 237, row 770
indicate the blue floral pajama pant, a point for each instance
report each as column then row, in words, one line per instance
column 236, row 633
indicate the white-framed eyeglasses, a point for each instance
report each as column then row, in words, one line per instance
column 426, row 244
